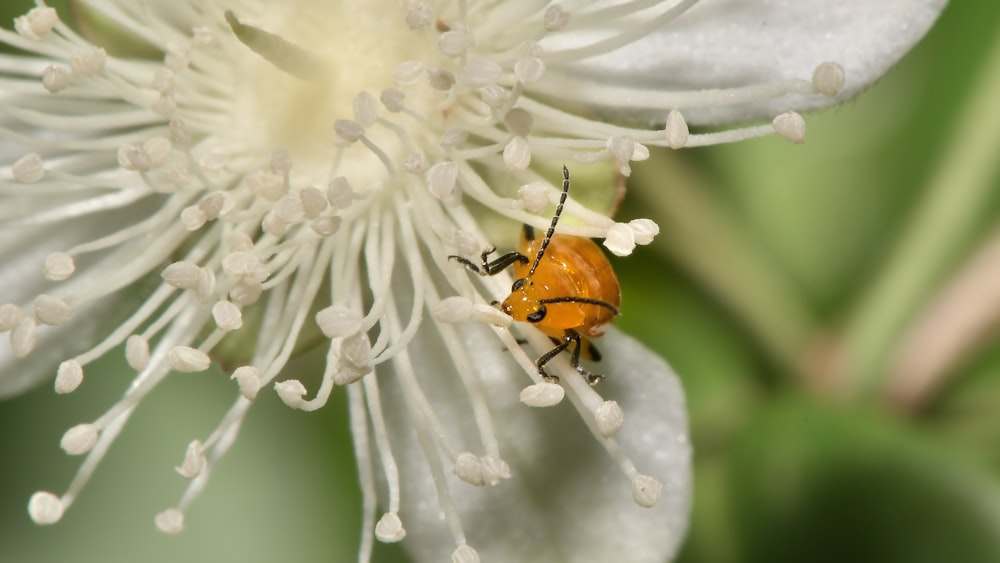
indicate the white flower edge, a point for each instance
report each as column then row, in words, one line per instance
column 566, row 500
column 733, row 43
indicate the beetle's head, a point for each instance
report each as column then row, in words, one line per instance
column 523, row 304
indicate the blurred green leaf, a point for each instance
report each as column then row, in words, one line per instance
column 813, row 482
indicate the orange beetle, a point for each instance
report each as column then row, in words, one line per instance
column 569, row 291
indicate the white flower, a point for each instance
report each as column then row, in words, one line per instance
column 306, row 166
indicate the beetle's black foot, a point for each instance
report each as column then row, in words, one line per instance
column 592, row 378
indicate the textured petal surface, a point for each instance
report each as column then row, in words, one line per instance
column 731, row 43
column 566, row 501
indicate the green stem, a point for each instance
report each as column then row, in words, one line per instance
column 939, row 230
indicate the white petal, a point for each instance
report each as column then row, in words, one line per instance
column 728, row 43
column 565, row 501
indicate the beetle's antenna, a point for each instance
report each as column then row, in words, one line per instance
column 552, row 227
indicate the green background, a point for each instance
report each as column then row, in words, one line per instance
column 783, row 282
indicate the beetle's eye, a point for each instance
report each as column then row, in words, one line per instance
column 518, row 283
column 537, row 315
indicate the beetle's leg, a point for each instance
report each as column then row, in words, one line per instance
column 592, row 352
column 487, row 268
column 592, row 378
column 547, row 357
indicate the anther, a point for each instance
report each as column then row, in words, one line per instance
column 227, row 316
column 791, row 126
column 464, row 554
column 55, row 79
column 469, row 469
column 556, row 17
column 137, row 352
column 625, row 149
column 644, row 230
column 494, row 96
column 339, row 193
column 238, row 264
column 419, row 16
column 348, row 130
column 519, row 122
column 440, row 79
column 289, row 209
column 10, row 316
column 52, row 310
column 828, row 78
column 676, row 130
column 245, row 293
column 280, row 162
column 23, row 337
column 338, row 321
column 193, row 218
column 194, row 460
column 58, row 266
column 389, row 528
column 163, row 81
column 267, row 185
column 79, row 439
column 453, row 137
column 89, row 63
column 415, row 163
column 534, row 197
column 45, row 508
column 158, row 148
column 133, row 158
column 274, row 225
column 646, row 491
column 183, row 275
column 187, row 359
column 620, row 239
column 455, row 43
column 239, row 242
column 29, row 168
column 68, row 377
column 356, row 349
column 164, row 106
column 170, row 521
column 291, row 392
column 36, row 23
column 206, row 285
column 313, row 202
column 180, row 134
column 442, row 179
column 529, row 70
column 543, row 394
column 248, row 379
column 176, row 58
column 517, row 154
column 495, row 470
column 392, row 99
column 610, row 418
column 326, row 226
